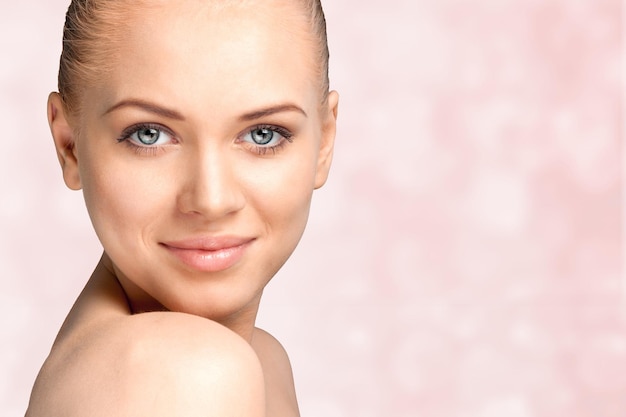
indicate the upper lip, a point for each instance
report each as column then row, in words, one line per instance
column 208, row 243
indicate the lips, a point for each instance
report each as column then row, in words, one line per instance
column 209, row 254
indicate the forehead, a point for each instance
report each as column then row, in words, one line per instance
column 235, row 50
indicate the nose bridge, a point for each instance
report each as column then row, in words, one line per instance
column 210, row 187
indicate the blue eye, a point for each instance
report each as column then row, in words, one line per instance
column 267, row 137
column 262, row 136
column 147, row 135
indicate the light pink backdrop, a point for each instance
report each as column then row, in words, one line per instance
column 465, row 258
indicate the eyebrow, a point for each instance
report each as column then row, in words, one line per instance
column 147, row 106
column 173, row 114
column 268, row 111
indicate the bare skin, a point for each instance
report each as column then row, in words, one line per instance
column 196, row 211
column 99, row 330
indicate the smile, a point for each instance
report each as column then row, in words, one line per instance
column 212, row 254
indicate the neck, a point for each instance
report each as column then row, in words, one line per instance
column 241, row 322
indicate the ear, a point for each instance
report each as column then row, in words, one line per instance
column 64, row 140
column 329, row 129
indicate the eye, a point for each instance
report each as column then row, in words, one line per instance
column 267, row 136
column 147, row 135
column 262, row 136
column 150, row 135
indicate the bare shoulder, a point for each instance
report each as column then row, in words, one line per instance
column 157, row 364
column 268, row 347
column 279, row 382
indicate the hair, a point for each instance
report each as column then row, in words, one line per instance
column 89, row 22
column 317, row 21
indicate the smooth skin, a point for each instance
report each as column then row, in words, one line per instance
column 152, row 334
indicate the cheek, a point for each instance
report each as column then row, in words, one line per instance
column 279, row 199
column 121, row 198
column 281, row 189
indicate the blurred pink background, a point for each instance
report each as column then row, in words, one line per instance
column 465, row 258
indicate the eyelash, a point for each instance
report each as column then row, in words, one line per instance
column 146, row 150
column 153, row 150
column 287, row 137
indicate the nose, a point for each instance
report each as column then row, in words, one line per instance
column 209, row 186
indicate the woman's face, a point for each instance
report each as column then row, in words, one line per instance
column 198, row 155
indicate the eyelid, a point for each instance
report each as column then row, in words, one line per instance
column 286, row 137
column 131, row 130
column 284, row 132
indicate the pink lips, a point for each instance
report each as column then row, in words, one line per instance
column 209, row 254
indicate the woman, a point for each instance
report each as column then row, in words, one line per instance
column 197, row 131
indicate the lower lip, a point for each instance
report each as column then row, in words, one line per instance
column 209, row 261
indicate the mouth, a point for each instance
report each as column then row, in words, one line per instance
column 209, row 254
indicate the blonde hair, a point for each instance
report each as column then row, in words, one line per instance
column 94, row 29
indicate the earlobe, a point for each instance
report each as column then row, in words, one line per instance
column 329, row 129
column 64, row 141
